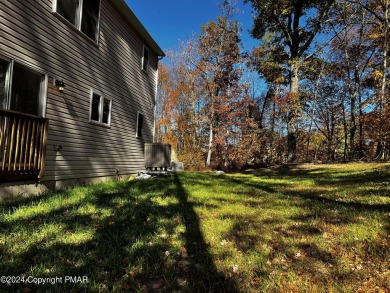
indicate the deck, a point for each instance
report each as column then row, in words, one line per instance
column 23, row 140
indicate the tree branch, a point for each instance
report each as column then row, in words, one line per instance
column 284, row 29
column 380, row 18
column 316, row 28
column 336, row 35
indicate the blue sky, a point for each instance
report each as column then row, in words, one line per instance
column 173, row 20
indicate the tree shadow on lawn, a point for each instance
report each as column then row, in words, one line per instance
column 293, row 246
column 119, row 246
column 319, row 193
column 246, row 233
column 316, row 206
column 342, row 178
column 320, row 199
column 206, row 277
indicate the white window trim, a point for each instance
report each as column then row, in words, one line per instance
column 143, row 125
column 44, row 83
column 77, row 26
column 143, row 59
column 102, row 98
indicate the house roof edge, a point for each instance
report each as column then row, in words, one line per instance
column 138, row 26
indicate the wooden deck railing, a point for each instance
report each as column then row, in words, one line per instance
column 23, row 141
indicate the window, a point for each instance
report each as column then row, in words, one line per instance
column 95, row 107
column 90, row 18
column 26, row 84
column 83, row 14
column 22, row 89
column 68, row 9
column 145, row 59
column 100, row 109
column 4, row 68
column 140, row 124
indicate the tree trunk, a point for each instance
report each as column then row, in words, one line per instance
column 331, row 135
column 208, row 161
column 293, row 113
column 361, row 126
column 308, row 141
column 352, row 130
column 271, row 144
column 329, row 150
column 361, row 133
column 291, row 138
column 212, row 121
column 384, row 80
column 345, row 126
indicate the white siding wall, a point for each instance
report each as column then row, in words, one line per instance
column 31, row 33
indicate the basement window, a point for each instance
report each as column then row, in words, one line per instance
column 83, row 14
column 100, row 111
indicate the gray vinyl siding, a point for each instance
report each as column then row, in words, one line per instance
column 31, row 33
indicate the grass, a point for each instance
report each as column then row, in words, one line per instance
column 313, row 228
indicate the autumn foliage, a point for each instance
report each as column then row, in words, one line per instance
column 293, row 98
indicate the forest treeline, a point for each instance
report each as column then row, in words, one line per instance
column 316, row 88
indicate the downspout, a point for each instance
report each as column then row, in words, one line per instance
column 155, row 101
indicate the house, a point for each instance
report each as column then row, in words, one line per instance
column 78, row 83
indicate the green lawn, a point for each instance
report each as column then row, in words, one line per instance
column 306, row 229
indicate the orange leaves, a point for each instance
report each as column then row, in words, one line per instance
column 203, row 107
column 183, row 252
column 287, row 102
